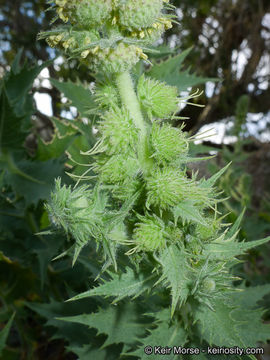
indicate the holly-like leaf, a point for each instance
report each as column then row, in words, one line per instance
column 250, row 296
column 208, row 321
column 88, row 352
column 164, row 335
column 64, row 134
column 128, row 284
column 237, row 326
column 80, row 97
column 176, row 274
column 188, row 212
column 213, row 179
column 120, row 322
column 250, row 327
column 225, row 250
column 169, row 72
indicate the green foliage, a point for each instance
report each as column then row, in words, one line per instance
column 121, row 323
column 136, row 217
column 174, row 235
column 128, row 284
column 4, row 334
column 169, row 72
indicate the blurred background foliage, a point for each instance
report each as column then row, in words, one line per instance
column 229, row 60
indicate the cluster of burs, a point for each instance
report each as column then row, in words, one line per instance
column 108, row 35
column 144, row 200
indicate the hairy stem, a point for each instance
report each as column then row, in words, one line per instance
column 129, row 99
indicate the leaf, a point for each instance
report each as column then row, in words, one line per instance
column 237, row 326
column 121, row 286
column 64, row 134
column 76, row 334
column 4, row 333
column 250, row 296
column 169, row 72
column 233, row 230
column 213, row 179
column 250, row 328
column 229, row 249
column 32, row 179
column 80, row 97
column 121, row 323
column 217, row 327
column 188, row 212
column 11, row 133
column 18, row 84
column 164, row 335
column 176, row 274
column 88, row 352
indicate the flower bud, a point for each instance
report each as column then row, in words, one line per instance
column 84, row 13
column 117, row 169
column 156, row 98
column 149, row 234
column 166, row 187
column 169, row 143
column 208, row 285
column 113, row 60
column 119, row 131
column 138, row 14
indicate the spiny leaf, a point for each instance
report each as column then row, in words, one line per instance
column 121, row 323
column 213, row 179
column 88, row 352
column 64, row 134
column 250, row 328
column 163, row 335
column 229, row 249
column 235, row 226
column 250, row 296
column 4, row 333
column 175, row 274
column 217, row 327
column 188, row 212
column 121, row 286
column 80, row 97
column 169, row 72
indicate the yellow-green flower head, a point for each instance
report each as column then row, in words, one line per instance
column 112, row 59
column 150, row 234
column 166, row 187
column 84, row 13
column 156, row 98
column 69, row 39
column 169, row 144
column 138, row 14
column 119, row 131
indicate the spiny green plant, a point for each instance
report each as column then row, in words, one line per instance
column 156, row 225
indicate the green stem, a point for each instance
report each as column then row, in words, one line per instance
column 129, row 99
